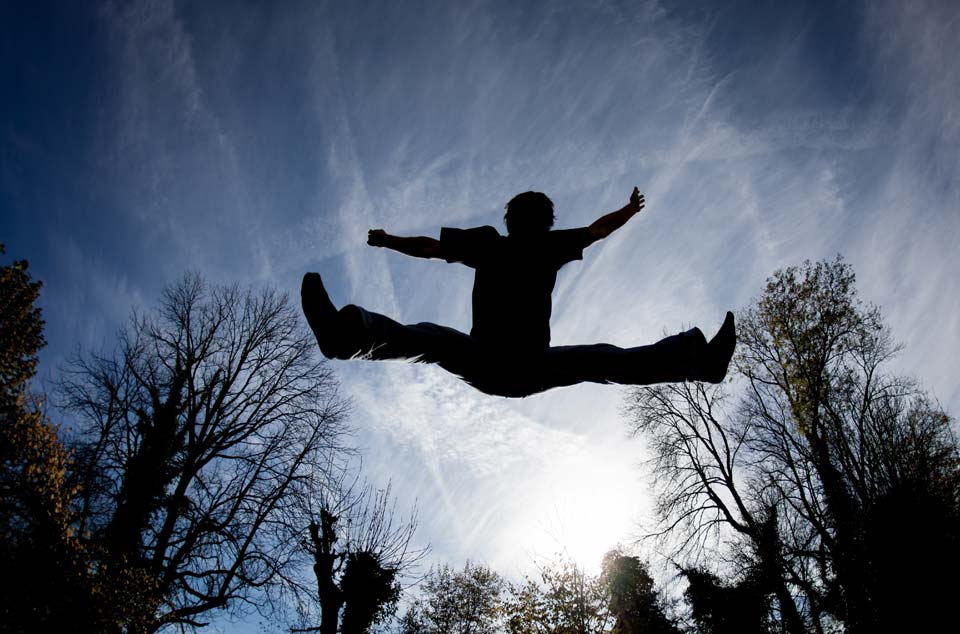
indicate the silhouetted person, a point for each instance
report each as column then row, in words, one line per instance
column 508, row 350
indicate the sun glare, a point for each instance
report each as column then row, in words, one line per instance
column 579, row 509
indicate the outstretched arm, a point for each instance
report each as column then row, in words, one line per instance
column 604, row 226
column 418, row 247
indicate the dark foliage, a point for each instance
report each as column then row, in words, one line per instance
column 192, row 435
column 821, row 475
column 718, row 608
column 44, row 585
column 634, row 601
column 367, row 588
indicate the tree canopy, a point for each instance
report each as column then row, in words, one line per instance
column 45, row 585
column 191, row 435
column 813, row 477
column 817, row 490
column 562, row 599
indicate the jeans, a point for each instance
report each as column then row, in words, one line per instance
column 513, row 371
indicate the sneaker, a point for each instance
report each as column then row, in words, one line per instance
column 713, row 367
column 320, row 313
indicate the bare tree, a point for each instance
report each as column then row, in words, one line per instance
column 191, row 436
column 838, row 443
column 824, row 462
column 703, row 493
column 358, row 546
column 693, row 463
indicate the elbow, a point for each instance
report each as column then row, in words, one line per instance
column 596, row 233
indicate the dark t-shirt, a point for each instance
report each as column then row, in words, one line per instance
column 513, row 281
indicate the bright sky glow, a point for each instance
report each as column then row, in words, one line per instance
column 254, row 141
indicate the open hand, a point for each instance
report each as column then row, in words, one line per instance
column 636, row 200
column 377, row 238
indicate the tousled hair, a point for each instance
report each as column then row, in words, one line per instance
column 529, row 213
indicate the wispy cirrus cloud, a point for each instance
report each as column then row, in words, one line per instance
column 734, row 192
column 254, row 142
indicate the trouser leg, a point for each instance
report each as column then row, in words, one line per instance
column 518, row 374
column 370, row 335
column 666, row 361
column 488, row 368
column 506, row 372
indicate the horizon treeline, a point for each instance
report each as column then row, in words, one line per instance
column 208, row 472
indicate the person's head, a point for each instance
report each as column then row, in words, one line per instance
column 529, row 213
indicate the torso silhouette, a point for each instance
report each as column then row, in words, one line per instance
column 514, row 279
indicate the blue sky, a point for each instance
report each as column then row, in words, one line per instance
column 254, row 141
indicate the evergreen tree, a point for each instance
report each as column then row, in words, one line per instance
column 44, row 585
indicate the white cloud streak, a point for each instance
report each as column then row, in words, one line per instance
column 412, row 123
